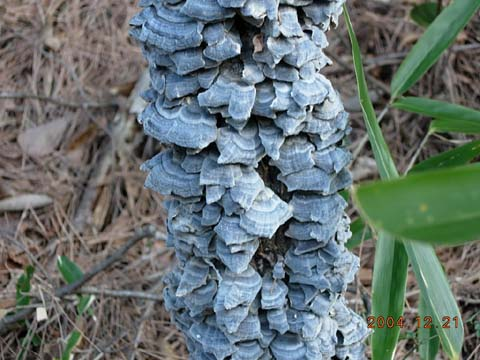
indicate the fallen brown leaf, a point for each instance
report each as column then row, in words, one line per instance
column 43, row 139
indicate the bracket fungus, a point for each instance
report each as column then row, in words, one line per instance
column 252, row 171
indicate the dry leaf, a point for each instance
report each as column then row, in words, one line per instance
column 44, row 139
column 136, row 100
column 25, row 201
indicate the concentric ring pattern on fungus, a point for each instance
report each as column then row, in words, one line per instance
column 252, row 171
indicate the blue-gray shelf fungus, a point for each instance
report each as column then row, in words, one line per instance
column 252, row 172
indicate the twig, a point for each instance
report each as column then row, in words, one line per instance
column 56, row 101
column 118, row 133
column 117, row 255
column 468, row 300
column 451, row 141
column 415, row 348
column 417, row 153
column 474, row 352
column 9, row 321
column 103, row 162
column 91, row 290
column 129, row 294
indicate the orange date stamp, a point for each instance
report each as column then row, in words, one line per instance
column 426, row 322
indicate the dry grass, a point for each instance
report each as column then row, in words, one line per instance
column 76, row 55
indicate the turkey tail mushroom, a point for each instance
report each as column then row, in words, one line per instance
column 253, row 167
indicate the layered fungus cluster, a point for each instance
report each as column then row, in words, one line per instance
column 253, row 171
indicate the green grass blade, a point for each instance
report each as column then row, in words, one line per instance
column 437, row 109
column 390, row 270
column 386, row 247
column 424, row 14
column 449, row 117
column 385, row 163
column 72, row 342
column 458, row 156
column 428, row 340
column 438, row 36
column 29, row 339
column 440, row 301
column 24, row 286
column 458, row 126
column 438, row 207
column 388, row 293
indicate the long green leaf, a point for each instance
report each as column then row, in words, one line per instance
column 459, row 156
column 391, row 262
column 428, row 341
column 437, row 109
column 396, row 291
column 71, row 272
column 385, row 163
column 438, row 36
column 449, row 117
column 29, row 339
column 388, row 292
column 72, row 342
column 439, row 207
column 456, row 157
column 458, row 126
column 440, row 301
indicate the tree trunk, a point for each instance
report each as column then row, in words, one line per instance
column 253, row 171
